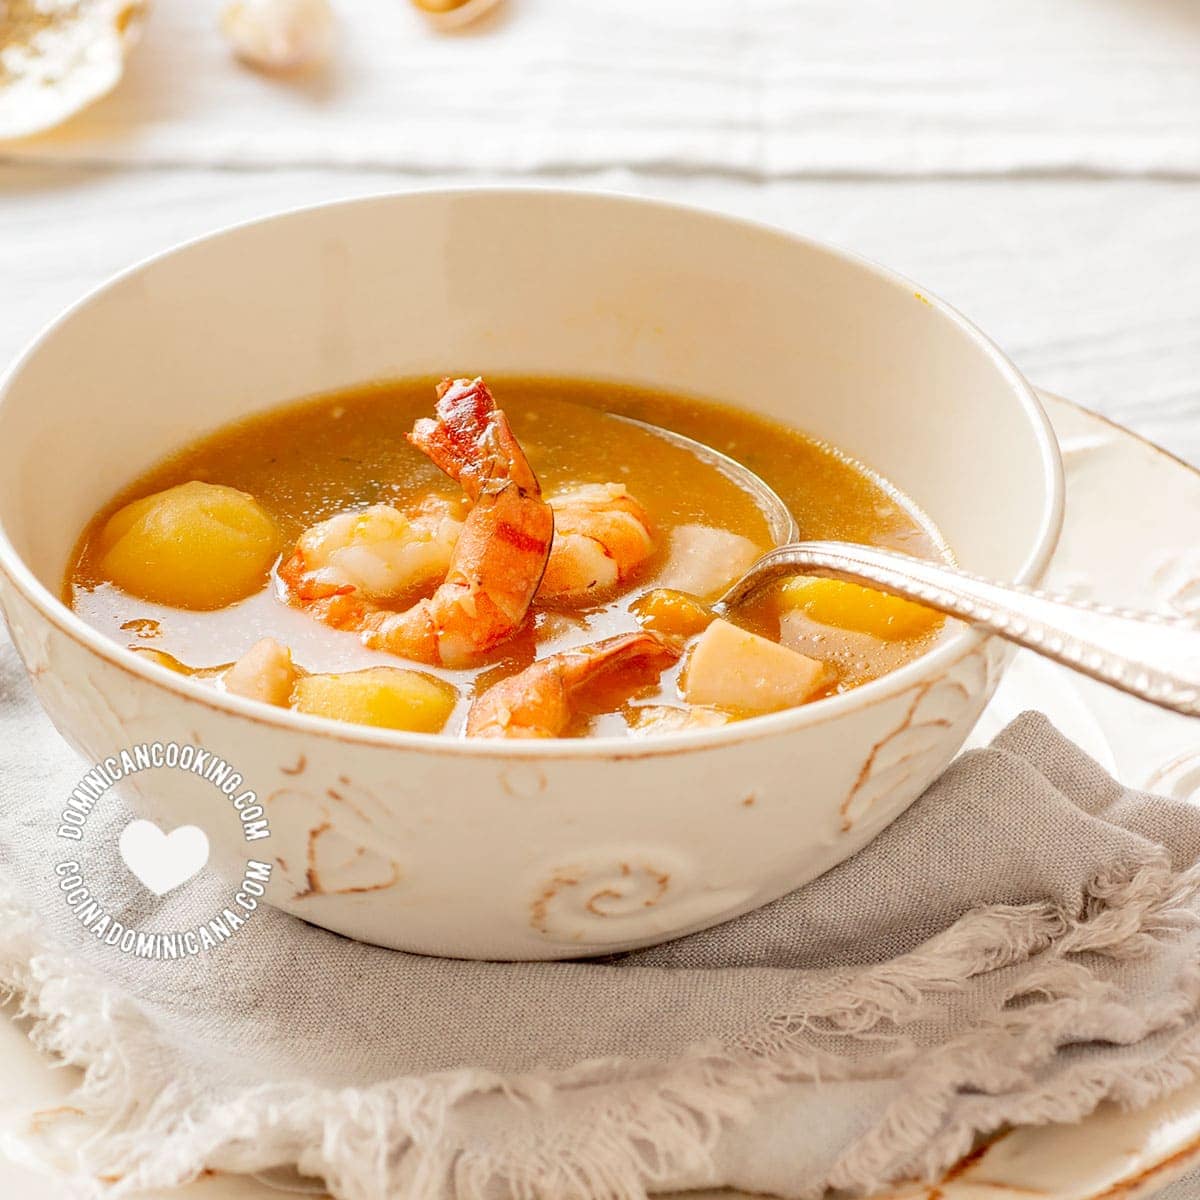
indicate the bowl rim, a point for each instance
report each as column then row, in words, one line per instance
column 940, row 658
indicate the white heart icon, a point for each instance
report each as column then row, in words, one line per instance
column 162, row 861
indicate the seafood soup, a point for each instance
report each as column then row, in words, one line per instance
column 500, row 560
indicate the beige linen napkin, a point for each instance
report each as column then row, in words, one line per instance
column 1019, row 946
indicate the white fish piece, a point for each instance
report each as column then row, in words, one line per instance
column 59, row 56
column 704, row 561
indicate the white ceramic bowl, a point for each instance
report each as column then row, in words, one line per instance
column 522, row 851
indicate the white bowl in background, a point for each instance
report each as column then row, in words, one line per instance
column 490, row 849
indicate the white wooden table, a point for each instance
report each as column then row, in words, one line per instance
column 1044, row 177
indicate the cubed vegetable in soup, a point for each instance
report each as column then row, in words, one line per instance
column 735, row 669
column 198, row 545
column 676, row 614
column 387, row 696
column 851, row 606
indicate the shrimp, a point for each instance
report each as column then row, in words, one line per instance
column 601, row 536
column 498, row 558
column 538, row 702
column 381, row 552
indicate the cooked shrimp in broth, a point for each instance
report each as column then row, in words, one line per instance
column 497, row 560
column 379, row 552
column 602, row 535
column 539, row 702
column 498, row 556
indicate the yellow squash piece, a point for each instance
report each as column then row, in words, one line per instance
column 390, row 697
column 676, row 614
column 734, row 669
column 864, row 610
column 197, row 546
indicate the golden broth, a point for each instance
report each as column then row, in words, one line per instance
column 308, row 460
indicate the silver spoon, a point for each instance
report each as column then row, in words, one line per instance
column 780, row 521
column 1149, row 656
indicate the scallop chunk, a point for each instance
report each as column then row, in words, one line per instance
column 705, row 561
column 389, row 697
column 734, row 669
column 197, row 546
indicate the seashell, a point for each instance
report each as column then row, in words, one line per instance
column 453, row 14
column 59, row 56
column 279, row 35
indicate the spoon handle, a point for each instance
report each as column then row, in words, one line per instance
column 1149, row 656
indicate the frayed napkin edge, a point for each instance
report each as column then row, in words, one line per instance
column 655, row 1126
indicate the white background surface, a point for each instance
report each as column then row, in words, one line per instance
column 769, row 87
column 1036, row 164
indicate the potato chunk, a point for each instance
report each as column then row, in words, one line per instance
column 197, row 546
column 390, row 697
column 861, row 609
column 732, row 668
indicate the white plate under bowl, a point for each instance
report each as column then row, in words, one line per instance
column 1034, row 682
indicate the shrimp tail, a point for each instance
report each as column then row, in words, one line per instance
column 471, row 440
